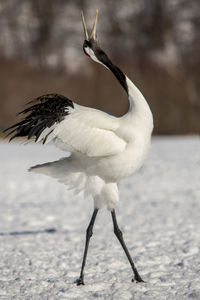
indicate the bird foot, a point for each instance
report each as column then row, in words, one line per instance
column 79, row 281
column 137, row 279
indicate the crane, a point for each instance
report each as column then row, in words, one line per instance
column 104, row 148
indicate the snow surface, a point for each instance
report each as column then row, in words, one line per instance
column 42, row 229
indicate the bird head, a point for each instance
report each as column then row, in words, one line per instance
column 92, row 49
column 90, row 46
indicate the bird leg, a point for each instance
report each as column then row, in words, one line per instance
column 89, row 232
column 119, row 235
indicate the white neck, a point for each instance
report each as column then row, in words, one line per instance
column 138, row 105
column 139, row 108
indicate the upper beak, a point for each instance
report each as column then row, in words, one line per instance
column 93, row 34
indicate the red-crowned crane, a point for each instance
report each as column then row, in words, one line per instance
column 104, row 148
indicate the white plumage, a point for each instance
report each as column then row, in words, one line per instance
column 104, row 148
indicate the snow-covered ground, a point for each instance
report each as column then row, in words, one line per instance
column 42, row 229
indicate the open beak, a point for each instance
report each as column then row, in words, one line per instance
column 93, row 34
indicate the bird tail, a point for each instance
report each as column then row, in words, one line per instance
column 69, row 172
column 65, row 171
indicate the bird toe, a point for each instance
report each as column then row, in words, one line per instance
column 79, row 281
column 137, row 279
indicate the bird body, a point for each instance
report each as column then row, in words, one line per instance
column 104, row 148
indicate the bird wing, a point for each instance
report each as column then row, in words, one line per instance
column 89, row 132
column 72, row 127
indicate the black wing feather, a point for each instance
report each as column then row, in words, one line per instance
column 51, row 109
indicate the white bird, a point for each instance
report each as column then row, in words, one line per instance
column 104, row 148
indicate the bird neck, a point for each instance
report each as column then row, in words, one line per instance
column 118, row 74
column 138, row 106
column 137, row 103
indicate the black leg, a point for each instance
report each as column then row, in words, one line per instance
column 88, row 236
column 119, row 235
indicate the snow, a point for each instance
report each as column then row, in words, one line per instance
column 42, row 229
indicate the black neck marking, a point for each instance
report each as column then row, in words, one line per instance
column 103, row 58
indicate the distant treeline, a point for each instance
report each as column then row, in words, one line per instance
column 154, row 42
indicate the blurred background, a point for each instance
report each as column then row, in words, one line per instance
column 155, row 42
